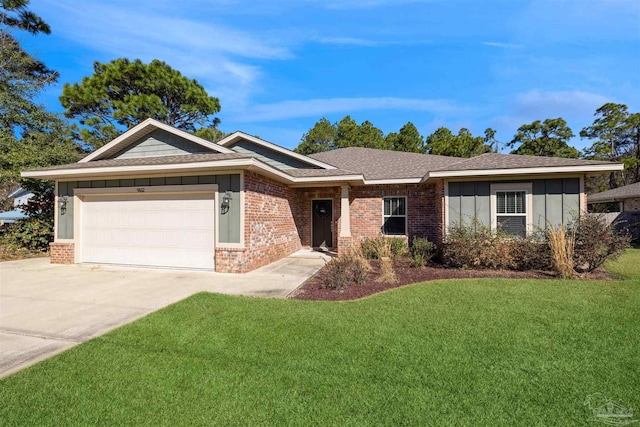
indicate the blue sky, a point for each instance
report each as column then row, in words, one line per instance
column 280, row 65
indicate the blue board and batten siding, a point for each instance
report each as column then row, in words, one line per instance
column 228, row 223
column 160, row 143
column 555, row 201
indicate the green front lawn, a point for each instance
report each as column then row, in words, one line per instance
column 461, row 352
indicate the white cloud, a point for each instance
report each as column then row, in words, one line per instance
column 319, row 107
column 545, row 104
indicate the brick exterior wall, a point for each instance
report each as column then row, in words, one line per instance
column 270, row 229
column 425, row 210
column 62, row 253
column 304, row 199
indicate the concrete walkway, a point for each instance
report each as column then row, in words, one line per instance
column 45, row 309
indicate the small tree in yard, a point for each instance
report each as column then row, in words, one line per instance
column 596, row 241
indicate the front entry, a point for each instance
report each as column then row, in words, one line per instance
column 322, row 217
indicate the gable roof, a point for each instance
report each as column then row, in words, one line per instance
column 146, row 127
column 18, row 192
column 237, row 136
column 620, row 193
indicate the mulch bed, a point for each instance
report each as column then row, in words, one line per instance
column 313, row 288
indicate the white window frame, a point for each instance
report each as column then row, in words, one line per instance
column 406, row 210
column 527, row 187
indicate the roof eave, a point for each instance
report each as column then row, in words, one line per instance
column 592, row 169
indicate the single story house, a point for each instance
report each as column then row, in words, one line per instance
column 622, row 205
column 20, row 197
column 158, row 196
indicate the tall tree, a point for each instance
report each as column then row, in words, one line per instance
column 30, row 136
column 321, row 137
column 408, row 139
column 123, row 93
column 616, row 132
column 347, row 133
column 549, row 138
column 445, row 143
column 371, row 136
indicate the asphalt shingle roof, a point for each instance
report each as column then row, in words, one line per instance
column 620, row 193
column 143, row 161
column 516, row 161
column 384, row 164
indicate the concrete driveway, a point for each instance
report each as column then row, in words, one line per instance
column 45, row 309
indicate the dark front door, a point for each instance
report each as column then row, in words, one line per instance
column 321, row 223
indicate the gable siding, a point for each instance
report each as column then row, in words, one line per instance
column 160, row 143
column 270, row 157
column 228, row 224
column 555, row 201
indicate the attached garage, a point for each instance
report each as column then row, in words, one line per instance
column 166, row 227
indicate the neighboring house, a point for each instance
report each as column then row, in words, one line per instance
column 20, row 197
column 622, row 205
column 158, row 196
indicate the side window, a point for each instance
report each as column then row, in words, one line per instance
column 394, row 216
column 511, row 212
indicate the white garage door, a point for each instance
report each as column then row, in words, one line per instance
column 162, row 230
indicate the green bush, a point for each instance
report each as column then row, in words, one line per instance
column 422, row 251
column 399, row 247
column 596, row 241
column 33, row 234
column 36, row 231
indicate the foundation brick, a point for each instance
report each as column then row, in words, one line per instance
column 62, row 253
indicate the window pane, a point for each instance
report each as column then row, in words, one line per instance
column 387, row 206
column 394, row 225
column 510, row 202
column 399, row 208
column 501, row 202
column 515, row 225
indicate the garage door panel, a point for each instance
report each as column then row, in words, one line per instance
column 169, row 230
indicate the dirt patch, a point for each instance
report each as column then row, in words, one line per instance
column 313, row 289
column 8, row 253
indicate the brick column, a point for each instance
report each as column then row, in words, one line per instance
column 62, row 253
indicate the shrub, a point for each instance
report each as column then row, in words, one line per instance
column 387, row 274
column 380, row 247
column 480, row 247
column 533, row 253
column 347, row 269
column 422, row 251
column 596, row 241
column 398, row 247
column 562, row 245
column 371, row 248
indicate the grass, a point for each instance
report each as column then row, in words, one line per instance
column 464, row 352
